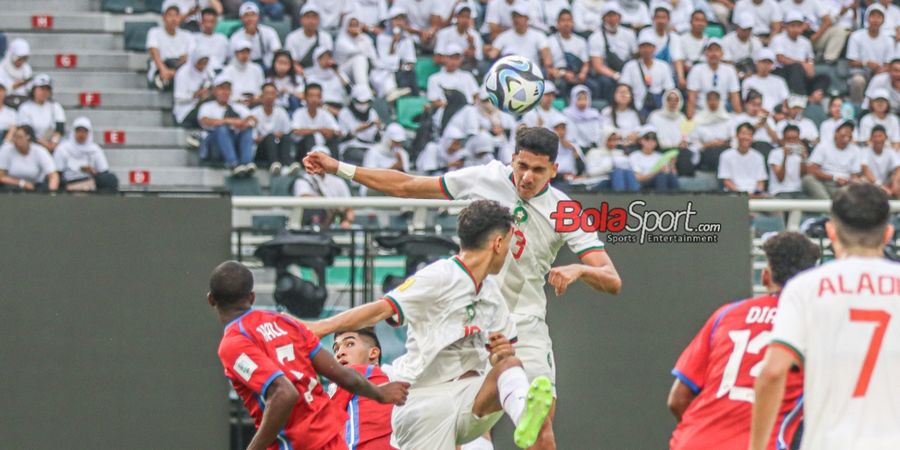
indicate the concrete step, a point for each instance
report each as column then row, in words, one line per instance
column 152, row 158
column 143, row 137
column 71, row 42
column 104, row 61
column 115, row 99
column 118, row 119
column 200, row 177
column 48, row 6
column 71, row 20
column 96, row 81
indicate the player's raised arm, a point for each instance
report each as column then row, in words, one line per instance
column 390, row 182
column 351, row 380
column 362, row 316
column 281, row 396
column 769, row 393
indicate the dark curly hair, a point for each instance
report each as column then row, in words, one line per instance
column 480, row 220
column 537, row 140
column 788, row 254
column 230, row 282
column 860, row 212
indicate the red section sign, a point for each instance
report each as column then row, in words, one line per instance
column 139, row 177
column 115, row 137
column 66, row 61
column 41, row 22
column 89, row 98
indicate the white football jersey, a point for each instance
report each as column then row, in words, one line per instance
column 449, row 320
column 843, row 321
column 536, row 241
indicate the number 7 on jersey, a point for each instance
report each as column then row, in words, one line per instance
column 881, row 319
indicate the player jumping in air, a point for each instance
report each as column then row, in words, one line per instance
column 839, row 321
column 456, row 316
column 712, row 396
column 273, row 362
column 524, row 187
column 369, row 423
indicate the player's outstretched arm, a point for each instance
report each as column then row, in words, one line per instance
column 352, row 319
column 596, row 269
column 390, row 182
column 769, row 394
column 351, row 380
column 281, row 396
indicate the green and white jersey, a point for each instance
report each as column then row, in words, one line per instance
column 449, row 320
column 536, row 241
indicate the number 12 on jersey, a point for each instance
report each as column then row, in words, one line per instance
column 742, row 345
column 881, row 319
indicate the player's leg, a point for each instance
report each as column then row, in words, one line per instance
column 535, row 350
column 546, row 440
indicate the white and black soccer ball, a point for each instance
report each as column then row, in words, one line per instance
column 514, row 84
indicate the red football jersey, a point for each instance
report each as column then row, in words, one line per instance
column 720, row 365
column 260, row 346
column 369, row 425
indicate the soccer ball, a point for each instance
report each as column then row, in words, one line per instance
column 514, row 84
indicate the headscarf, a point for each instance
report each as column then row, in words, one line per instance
column 347, row 46
column 665, row 112
column 708, row 117
column 581, row 115
column 317, row 71
column 78, row 154
column 17, row 49
column 363, row 95
column 195, row 75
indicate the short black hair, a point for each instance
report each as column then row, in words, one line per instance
column 790, row 127
column 860, row 212
column 743, row 125
column 845, row 124
column 28, row 130
column 834, row 99
column 171, row 7
column 312, row 86
column 367, row 334
column 789, row 253
column 538, row 140
column 268, row 84
column 230, row 282
column 878, row 129
column 480, row 220
column 752, row 94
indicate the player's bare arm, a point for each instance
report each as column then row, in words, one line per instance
column 351, row 380
column 391, row 182
column 500, row 347
column 352, row 319
column 280, row 400
column 769, row 389
column 680, row 397
column 597, row 270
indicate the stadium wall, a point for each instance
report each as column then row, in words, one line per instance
column 107, row 338
column 614, row 354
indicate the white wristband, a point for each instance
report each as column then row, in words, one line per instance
column 346, row 171
column 21, row 183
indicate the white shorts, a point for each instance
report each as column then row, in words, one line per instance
column 535, row 349
column 440, row 417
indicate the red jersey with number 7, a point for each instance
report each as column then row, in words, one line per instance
column 720, row 365
column 261, row 346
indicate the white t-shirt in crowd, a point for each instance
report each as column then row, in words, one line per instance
column 882, row 165
column 330, row 12
column 799, row 49
column 764, row 14
column 33, row 167
column 328, row 186
column 659, row 75
column 263, row 44
column 813, row 11
column 883, row 81
column 500, row 13
column 734, row 49
column 745, row 170
column 623, row 43
column 761, row 134
column 42, row 118
column 8, row 118
column 187, row 82
column 246, row 79
column 670, row 40
column 528, row 45
column 419, row 12
column 839, row 163
column 808, row 130
column 864, row 48
column 692, row 48
column 638, row 17
column 704, row 79
column 460, row 80
column 169, row 46
column 773, row 88
column 626, row 122
column 214, row 110
column 218, row 48
column 323, row 119
column 450, row 35
column 70, row 157
column 642, row 163
column 299, row 44
column 276, row 122
column 792, row 164
column 575, row 45
column 890, row 123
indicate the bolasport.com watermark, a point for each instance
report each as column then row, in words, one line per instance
column 636, row 224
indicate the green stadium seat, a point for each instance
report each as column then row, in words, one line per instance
column 281, row 186
column 136, row 35
column 765, row 223
column 559, row 104
column 283, row 27
column 243, row 186
column 228, row 27
column 122, row 6
column 383, row 109
column 714, row 30
column 153, row 5
column 425, row 67
column 816, row 113
column 269, row 223
column 408, row 108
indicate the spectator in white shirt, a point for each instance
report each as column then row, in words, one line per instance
column 765, row 135
column 774, row 89
column 192, row 83
column 303, row 42
column 713, row 75
column 330, row 13
column 169, row 47
column 609, row 166
column 451, row 77
column 879, row 115
column 523, row 41
column 879, row 162
column 245, row 76
column 740, row 46
column 8, row 117
column 787, row 165
column 712, row 134
column 425, row 18
column 767, row 16
column 835, row 118
column 635, row 14
column 569, row 53
column 498, row 15
column 609, row 48
column 230, row 127
column 741, row 168
column 679, row 17
column 544, row 113
column 359, row 122
column 26, row 165
column 827, row 37
column 567, row 154
column 389, row 153
column 190, row 11
column 324, row 185
column 353, row 50
column 45, row 115
column 833, row 164
column 15, row 72
column 669, row 122
column 793, row 115
column 891, row 17
column 647, row 76
column 263, row 39
column 372, row 13
column 588, row 15
column 334, row 83
column 461, row 32
column 394, row 74
column 667, row 42
column 890, row 82
column 645, row 164
column 869, row 51
column 82, row 162
column 272, row 133
column 693, row 42
column 622, row 115
column 795, row 57
column 290, row 86
column 314, row 125
column 216, row 44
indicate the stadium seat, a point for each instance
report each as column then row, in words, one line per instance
column 269, row 222
column 816, row 113
column 765, row 223
column 281, row 186
column 228, row 27
column 354, row 155
column 425, row 67
column 407, row 110
column 243, row 186
column 714, row 30
column 153, row 5
column 559, row 104
column 447, row 222
column 136, row 35
column 382, row 108
column 122, row 6
column 283, row 27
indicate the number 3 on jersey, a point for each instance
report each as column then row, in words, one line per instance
column 518, row 243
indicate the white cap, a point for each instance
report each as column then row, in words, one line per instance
column 744, row 20
column 81, row 122
column 610, row 7
column 241, row 44
column 647, row 129
column 361, row 93
column 875, row 7
column 796, row 101
column 454, row 133
column 248, row 7
column 321, row 50
column 713, row 41
column 521, row 9
column 310, row 7
column 464, row 5
column 395, row 133
column 764, row 54
column 647, row 36
column 320, row 149
column 221, row 79
column 556, row 120
column 879, row 94
column 549, row 87
column 396, row 11
column 480, row 143
column 42, row 79
column 452, row 48
column 793, row 16
column 19, row 48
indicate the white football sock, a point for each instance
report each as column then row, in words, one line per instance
column 513, row 386
column 478, row 444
